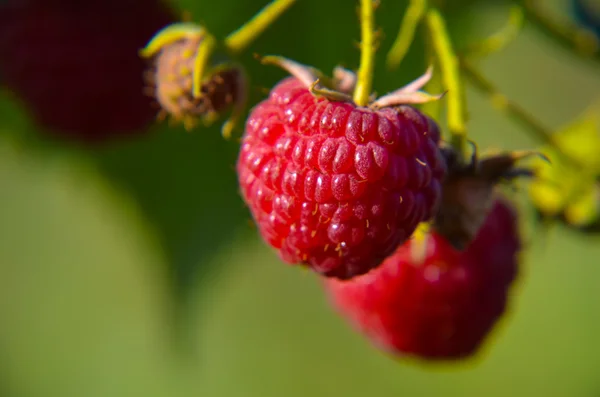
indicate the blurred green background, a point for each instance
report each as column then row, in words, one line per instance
column 131, row 270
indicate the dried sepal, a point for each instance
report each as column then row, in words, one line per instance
column 187, row 88
column 469, row 191
column 340, row 87
column 170, row 35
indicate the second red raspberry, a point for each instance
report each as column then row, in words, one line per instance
column 335, row 186
column 433, row 301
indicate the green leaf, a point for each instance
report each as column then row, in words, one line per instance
column 581, row 137
column 561, row 188
column 585, row 210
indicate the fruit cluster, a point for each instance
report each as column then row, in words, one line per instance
column 412, row 237
column 342, row 182
column 415, row 244
column 341, row 188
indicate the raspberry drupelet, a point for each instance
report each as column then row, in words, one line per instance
column 332, row 185
column 431, row 301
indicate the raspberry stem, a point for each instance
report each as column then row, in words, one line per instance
column 448, row 61
column 501, row 39
column 512, row 109
column 433, row 108
column 240, row 39
column 579, row 41
column 205, row 52
column 412, row 18
column 169, row 35
column 239, row 108
column 364, row 83
column 419, row 246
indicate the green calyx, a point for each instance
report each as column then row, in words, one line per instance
column 209, row 45
column 170, row 35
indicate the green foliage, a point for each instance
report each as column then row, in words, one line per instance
column 563, row 189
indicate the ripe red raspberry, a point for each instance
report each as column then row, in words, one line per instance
column 335, row 186
column 75, row 64
column 433, row 301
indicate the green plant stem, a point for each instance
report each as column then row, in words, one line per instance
column 169, row 35
column 240, row 39
column 433, row 108
column 512, row 109
column 410, row 22
column 364, row 83
column 448, row 62
column 579, row 41
column 501, row 39
column 205, row 51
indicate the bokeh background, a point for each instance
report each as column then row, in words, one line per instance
column 132, row 269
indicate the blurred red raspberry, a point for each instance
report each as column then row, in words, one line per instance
column 433, row 301
column 75, row 64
